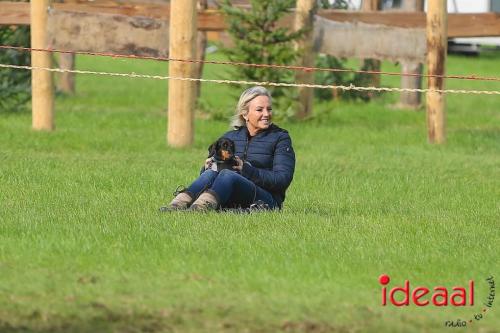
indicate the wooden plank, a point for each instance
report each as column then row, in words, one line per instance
column 14, row 13
column 474, row 25
column 124, row 35
column 396, row 19
column 18, row 13
column 360, row 40
column 459, row 25
column 110, row 7
column 148, row 37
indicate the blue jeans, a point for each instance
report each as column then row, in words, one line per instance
column 231, row 189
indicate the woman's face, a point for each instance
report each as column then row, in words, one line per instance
column 259, row 114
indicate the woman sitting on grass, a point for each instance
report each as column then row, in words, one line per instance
column 265, row 162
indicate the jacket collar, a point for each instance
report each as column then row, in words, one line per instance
column 244, row 130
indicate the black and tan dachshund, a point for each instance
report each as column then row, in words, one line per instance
column 222, row 153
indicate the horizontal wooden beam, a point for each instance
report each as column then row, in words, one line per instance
column 133, row 35
column 459, row 25
column 14, row 13
column 369, row 41
column 474, row 25
column 149, row 37
column 397, row 19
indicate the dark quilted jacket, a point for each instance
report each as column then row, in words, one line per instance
column 269, row 158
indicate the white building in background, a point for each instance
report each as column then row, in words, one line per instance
column 468, row 45
column 454, row 6
column 473, row 6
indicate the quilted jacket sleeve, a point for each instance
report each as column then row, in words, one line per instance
column 281, row 175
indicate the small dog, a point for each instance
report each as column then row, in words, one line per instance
column 222, row 154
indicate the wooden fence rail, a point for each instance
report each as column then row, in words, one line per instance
column 459, row 25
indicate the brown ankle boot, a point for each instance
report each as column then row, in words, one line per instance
column 180, row 202
column 205, row 202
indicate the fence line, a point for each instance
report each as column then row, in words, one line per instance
column 472, row 77
column 261, row 83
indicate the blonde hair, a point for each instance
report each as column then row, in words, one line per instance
column 246, row 97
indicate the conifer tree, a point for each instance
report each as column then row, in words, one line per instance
column 15, row 84
column 258, row 39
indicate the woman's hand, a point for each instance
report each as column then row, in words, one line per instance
column 239, row 164
column 208, row 163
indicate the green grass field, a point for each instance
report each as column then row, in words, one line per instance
column 84, row 249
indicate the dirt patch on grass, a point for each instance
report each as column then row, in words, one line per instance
column 310, row 327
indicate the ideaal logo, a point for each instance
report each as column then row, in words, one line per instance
column 441, row 296
column 458, row 296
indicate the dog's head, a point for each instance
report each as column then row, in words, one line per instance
column 222, row 149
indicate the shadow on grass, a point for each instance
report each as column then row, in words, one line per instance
column 110, row 321
column 105, row 322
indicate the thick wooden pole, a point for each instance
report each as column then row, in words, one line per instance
column 411, row 99
column 42, row 86
column 304, row 19
column 371, row 64
column 181, row 94
column 436, row 60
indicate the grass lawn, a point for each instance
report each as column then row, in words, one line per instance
column 84, row 249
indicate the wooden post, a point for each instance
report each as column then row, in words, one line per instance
column 66, row 82
column 436, row 60
column 412, row 5
column 42, row 87
column 304, row 19
column 181, row 94
column 371, row 64
column 200, row 50
column 411, row 99
column 370, row 5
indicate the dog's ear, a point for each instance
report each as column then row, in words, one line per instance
column 212, row 149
